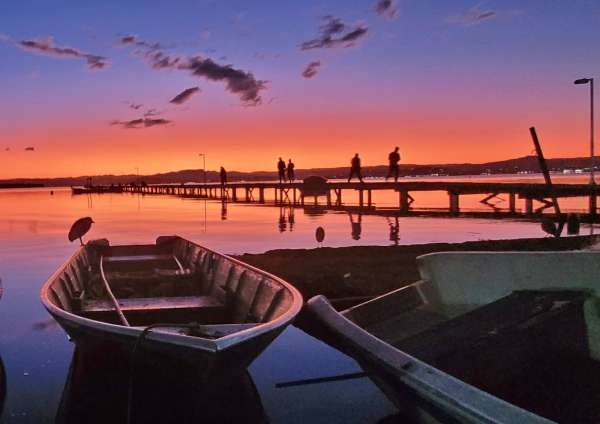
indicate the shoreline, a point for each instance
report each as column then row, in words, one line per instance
column 338, row 272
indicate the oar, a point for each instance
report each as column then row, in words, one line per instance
column 319, row 380
column 111, row 295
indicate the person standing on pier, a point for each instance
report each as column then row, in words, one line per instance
column 223, row 175
column 355, row 169
column 393, row 158
column 290, row 171
column 281, row 170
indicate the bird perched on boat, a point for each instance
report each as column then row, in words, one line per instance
column 80, row 228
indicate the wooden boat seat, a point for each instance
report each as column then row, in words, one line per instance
column 153, row 304
column 137, row 258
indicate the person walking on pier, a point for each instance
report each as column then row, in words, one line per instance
column 223, row 175
column 393, row 158
column 281, row 170
column 355, row 169
column 290, row 171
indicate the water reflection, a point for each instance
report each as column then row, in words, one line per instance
column 356, row 225
column 98, row 390
column 394, row 225
column 2, row 386
column 286, row 216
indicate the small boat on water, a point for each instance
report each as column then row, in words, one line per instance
column 96, row 189
column 483, row 337
column 173, row 297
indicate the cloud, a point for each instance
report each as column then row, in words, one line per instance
column 141, row 123
column 387, row 8
column 239, row 82
column 184, row 96
column 46, row 46
column 29, row 149
column 311, row 69
column 473, row 16
column 332, row 35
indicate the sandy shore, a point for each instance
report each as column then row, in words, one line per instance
column 373, row 270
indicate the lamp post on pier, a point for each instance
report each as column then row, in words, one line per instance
column 592, row 159
column 203, row 165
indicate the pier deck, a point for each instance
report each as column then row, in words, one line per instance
column 297, row 193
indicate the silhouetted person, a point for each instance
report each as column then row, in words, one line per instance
column 223, row 175
column 355, row 168
column 393, row 159
column 281, row 170
column 290, row 171
column 356, row 226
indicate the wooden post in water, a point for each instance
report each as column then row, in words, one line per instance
column 512, row 205
column 454, row 204
column 544, row 167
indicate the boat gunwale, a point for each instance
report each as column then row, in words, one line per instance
column 429, row 383
column 221, row 343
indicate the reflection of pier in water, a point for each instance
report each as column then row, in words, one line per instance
column 97, row 390
column 298, row 194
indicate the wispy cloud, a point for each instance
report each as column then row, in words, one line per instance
column 141, row 123
column 335, row 33
column 311, row 69
column 386, row 8
column 239, row 82
column 473, row 16
column 47, row 47
column 184, row 96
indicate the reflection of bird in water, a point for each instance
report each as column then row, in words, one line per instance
column 80, row 228
column 394, row 230
column 356, row 226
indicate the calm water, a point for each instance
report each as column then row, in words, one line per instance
column 37, row 355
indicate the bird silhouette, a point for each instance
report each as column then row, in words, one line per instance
column 320, row 234
column 80, row 228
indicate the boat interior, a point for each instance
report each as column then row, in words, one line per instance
column 171, row 282
column 534, row 342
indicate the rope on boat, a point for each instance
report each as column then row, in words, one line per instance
column 111, row 295
column 179, row 265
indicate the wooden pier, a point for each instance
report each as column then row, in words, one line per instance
column 297, row 193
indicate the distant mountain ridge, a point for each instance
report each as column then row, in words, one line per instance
column 510, row 166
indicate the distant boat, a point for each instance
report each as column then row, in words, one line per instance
column 484, row 337
column 96, row 189
column 211, row 308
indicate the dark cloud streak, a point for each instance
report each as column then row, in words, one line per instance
column 47, row 47
column 311, row 69
column 239, row 82
column 184, row 96
column 141, row 123
column 332, row 35
column 386, row 8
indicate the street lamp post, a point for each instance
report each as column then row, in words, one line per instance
column 592, row 159
column 203, row 165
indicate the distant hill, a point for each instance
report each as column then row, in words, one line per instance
column 510, row 166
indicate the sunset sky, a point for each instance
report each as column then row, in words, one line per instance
column 125, row 84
